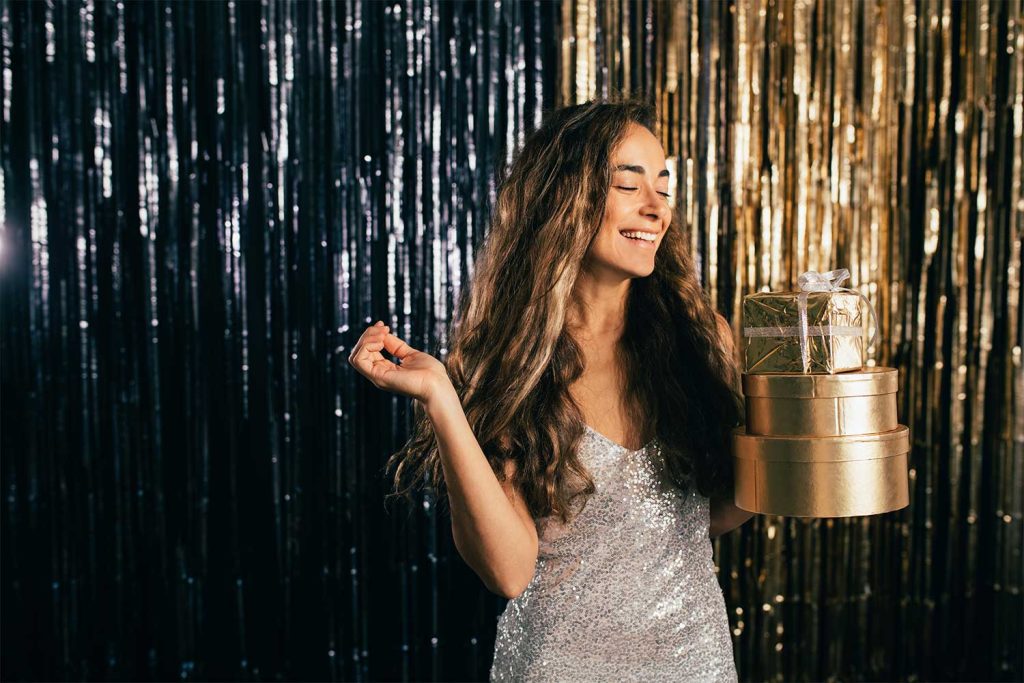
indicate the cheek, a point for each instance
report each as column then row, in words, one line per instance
column 614, row 218
column 613, row 208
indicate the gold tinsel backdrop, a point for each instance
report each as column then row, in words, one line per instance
column 884, row 137
column 204, row 203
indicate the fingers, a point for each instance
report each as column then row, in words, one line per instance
column 375, row 339
column 370, row 341
column 396, row 347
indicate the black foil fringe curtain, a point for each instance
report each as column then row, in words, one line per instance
column 204, row 203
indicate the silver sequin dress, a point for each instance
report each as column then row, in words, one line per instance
column 626, row 591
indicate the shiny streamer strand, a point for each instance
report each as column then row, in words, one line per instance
column 884, row 137
column 202, row 204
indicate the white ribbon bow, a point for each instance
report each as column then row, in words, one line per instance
column 813, row 281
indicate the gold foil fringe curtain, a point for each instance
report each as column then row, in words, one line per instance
column 884, row 137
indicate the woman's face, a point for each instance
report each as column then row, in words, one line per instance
column 637, row 203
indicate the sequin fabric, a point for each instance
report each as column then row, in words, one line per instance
column 627, row 590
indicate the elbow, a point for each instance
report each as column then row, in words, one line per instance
column 513, row 586
column 508, row 575
column 512, row 590
column 735, row 523
column 714, row 532
column 507, row 584
column 725, row 517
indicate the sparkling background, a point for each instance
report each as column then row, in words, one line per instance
column 204, row 203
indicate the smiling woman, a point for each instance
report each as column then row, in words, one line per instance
column 637, row 211
column 580, row 425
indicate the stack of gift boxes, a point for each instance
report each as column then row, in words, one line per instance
column 821, row 436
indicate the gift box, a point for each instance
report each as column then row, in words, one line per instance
column 821, row 437
column 821, row 476
column 857, row 402
column 804, row 331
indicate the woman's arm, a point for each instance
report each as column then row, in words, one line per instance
column 491, row 525
column 725, row 516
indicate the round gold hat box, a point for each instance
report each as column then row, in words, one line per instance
column 814, row 476
column 860, row 402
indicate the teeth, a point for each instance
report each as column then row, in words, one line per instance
column 646, row 236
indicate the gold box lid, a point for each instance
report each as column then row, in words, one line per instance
column 869, row 381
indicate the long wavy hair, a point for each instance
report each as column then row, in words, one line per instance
column 513, row 359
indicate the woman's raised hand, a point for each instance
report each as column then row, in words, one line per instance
column 419, row 376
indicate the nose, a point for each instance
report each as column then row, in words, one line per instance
column 656, row 206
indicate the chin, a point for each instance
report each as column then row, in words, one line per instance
column 629, row 268
column 635, row 272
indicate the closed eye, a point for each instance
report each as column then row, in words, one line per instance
column 663, row 194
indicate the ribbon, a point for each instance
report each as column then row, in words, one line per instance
column 813, row 281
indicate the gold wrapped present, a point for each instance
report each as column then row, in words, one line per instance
column 831, row 476
column 858, row 402
column 774, row 341
column 818, row 329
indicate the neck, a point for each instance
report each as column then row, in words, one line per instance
column 600, row 306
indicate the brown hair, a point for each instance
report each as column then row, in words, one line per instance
column 512, row 359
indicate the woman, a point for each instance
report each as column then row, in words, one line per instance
column 581, row 422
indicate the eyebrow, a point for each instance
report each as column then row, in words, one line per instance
column 639, row 169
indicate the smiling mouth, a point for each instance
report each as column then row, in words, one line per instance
column 640, row 241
